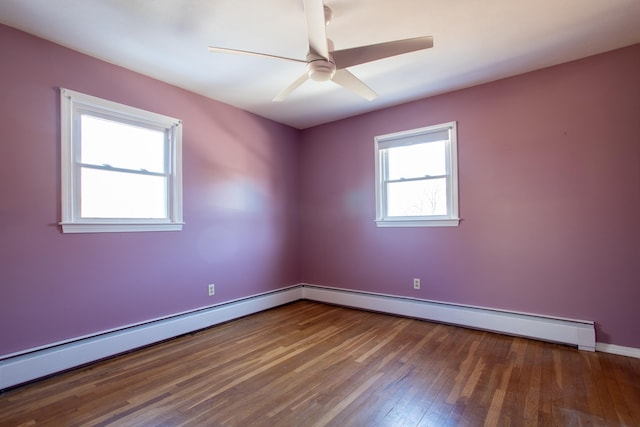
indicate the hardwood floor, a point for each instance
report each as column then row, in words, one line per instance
column 309, row 364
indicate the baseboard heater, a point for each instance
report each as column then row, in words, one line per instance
column 578, row 333
column 59, row 357
column 37, row 363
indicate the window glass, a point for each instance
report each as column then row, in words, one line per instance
column 109, row 194
column 121, row 145
column 121, row 167
column 417, row 198
column 416, row 177
column 417, row 160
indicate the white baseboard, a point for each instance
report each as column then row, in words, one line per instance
column 618, row 349
column 42, row 362
column 566, row 331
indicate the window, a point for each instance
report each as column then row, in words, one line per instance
column 417, row 178
column 121, row 167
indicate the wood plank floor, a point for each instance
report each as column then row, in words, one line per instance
column 309, row 364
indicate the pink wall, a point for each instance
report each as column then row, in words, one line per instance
column 549, row 195
column 549, row 168
column 240, row 206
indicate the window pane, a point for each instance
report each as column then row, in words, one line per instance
column 416, row 198
column 109, row 194
column 106, row 142
column 418, row 160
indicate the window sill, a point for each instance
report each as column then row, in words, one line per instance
column 110, row 227
column 412, row 222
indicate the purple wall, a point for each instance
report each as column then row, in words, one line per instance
column 240, row 206
column 549, row 196
column 549, row 168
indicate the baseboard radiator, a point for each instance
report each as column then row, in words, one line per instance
column 37, row 363
column 63, row 356
column 578, row 333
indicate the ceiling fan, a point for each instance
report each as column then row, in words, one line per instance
column 323, row 63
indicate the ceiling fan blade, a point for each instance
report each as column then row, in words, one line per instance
column 360, row 55
column 347, row 80
column 316, row 28
column 246, row 52
column 293, row 86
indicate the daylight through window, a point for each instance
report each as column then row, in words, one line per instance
column 121, row 167
column 416, row 177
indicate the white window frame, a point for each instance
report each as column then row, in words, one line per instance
column 73, row 105
column 418, row 136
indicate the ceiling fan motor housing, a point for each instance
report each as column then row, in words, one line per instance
column 319, row 69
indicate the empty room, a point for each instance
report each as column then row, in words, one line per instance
column 297, row 213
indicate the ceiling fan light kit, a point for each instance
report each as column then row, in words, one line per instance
column 323, row 63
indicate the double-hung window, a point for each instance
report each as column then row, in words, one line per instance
column 121, row 167
column 417, row 178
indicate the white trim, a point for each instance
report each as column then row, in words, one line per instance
column 389, row 222
column 122, row 227
column 18, row 368
column 410, row 137
column 46, row 361
column 580, row 333
column 618, row 349
column 72, row 105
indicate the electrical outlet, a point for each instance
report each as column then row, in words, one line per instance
column 416, row 283
column 212, row 290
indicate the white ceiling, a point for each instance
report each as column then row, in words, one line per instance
column 474, row 42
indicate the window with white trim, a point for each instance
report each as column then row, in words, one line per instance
column 121, row 167
column 417, row 177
